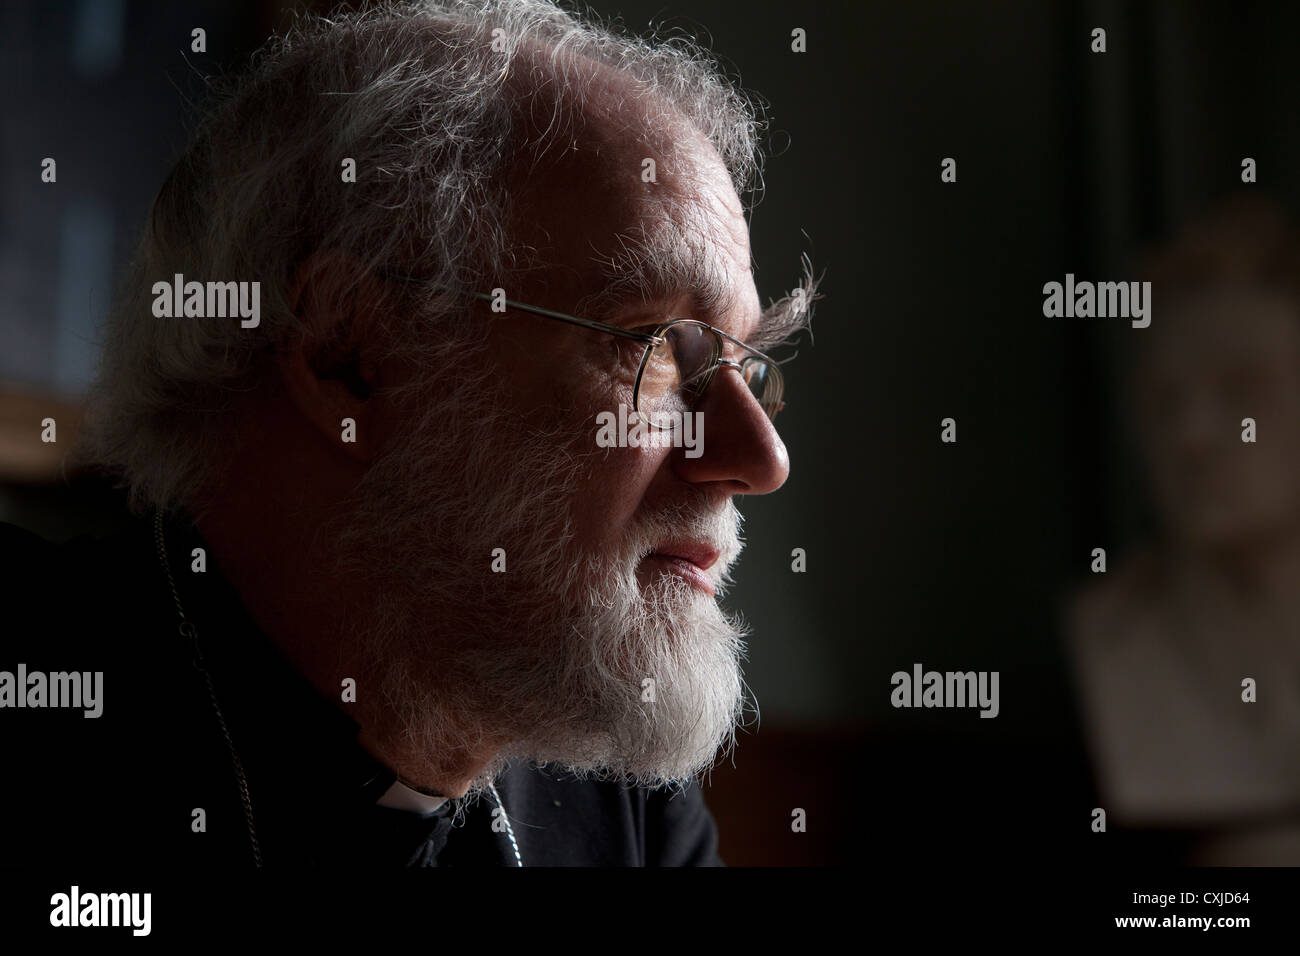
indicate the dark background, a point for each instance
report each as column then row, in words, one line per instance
column 956, row 556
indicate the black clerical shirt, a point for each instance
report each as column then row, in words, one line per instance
column 152, row 780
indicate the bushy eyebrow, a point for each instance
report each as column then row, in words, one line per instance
column 790, row 314
column 642, row 272
column 645, row 271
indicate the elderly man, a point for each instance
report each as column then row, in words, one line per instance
column 393, row 598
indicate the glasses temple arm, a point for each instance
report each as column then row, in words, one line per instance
column 574, row 320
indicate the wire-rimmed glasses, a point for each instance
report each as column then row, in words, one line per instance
column 680, row 360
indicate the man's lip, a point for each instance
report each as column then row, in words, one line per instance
column 684, row 568
column 701, row 555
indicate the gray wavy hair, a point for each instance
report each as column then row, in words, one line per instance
column 416, row 94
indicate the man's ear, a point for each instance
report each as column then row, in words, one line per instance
column 329, row 369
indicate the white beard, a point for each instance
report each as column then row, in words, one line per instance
column 553, row 655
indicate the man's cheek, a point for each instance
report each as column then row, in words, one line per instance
column 604, row 506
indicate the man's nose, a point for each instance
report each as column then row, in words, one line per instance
column 739, row 447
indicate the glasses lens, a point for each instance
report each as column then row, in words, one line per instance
column 693, row 346
column 764, row 381
column 674, row 373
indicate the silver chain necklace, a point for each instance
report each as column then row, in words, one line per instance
column 188, row 631
column 519, row 860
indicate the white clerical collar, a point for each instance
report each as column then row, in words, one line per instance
column 401, row 797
